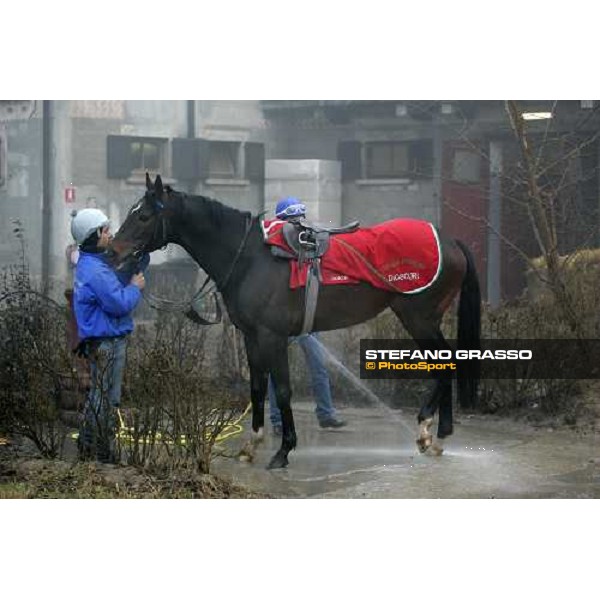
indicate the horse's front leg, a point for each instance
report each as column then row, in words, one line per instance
column 258, row 389
column 283, row 393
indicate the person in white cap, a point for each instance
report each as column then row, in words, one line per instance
column 103, row 305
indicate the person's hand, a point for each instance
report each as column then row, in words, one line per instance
column 139, row 281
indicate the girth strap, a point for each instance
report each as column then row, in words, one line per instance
column 311, row 294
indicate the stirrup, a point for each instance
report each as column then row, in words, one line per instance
column 304, row 240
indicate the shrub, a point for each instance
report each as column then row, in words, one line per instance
column 36, row 368
column 177, row 408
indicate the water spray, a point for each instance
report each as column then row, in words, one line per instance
column 358, row 383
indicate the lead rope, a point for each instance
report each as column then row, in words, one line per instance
column 165, row 305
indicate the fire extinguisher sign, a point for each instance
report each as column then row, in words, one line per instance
column 69, row 194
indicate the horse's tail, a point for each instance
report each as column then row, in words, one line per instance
column 469, row 331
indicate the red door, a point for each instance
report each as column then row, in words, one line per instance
column 464, row 200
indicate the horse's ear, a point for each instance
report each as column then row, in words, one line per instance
column 149, row 185
column 158, row 187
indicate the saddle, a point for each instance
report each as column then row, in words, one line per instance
column 309, row 242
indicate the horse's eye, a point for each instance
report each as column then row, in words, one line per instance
column 144, row 217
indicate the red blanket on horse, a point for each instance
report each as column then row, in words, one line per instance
column 401, row 255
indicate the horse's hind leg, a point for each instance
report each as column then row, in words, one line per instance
column 440, row 399
column 426, row 332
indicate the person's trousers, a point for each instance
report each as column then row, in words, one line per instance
column 98, row 426
column 311, row 346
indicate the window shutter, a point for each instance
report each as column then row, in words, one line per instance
column 349, row 154
column 255, row 161
column 203, row 150
column 190, row 159
column 118, row 156
column 185, row 159
column 421, row 159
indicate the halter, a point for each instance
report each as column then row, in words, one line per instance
column 161, row 223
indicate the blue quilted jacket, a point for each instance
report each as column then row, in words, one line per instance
column 103, row 303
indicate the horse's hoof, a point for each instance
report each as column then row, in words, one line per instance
column 278, row 462
column 246, row 454
column 258, row 436
column 423, row 444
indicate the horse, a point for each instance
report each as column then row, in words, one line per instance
column 229, row 246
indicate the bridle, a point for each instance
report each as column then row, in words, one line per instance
column 171, row 306
column 161, row 222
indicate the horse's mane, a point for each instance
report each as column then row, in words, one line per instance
column 219, row 213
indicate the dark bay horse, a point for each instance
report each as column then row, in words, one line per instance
column 228, row 244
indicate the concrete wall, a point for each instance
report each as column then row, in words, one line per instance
column 302, row 161
column 160, row 118
column 21, row 196
column 230, row 120
column 315, row 182
column 219, row 120
column 243, row 195
column 372, row 202
column 301, row 151
column 302, row 143
column 92, row 122
column 79, row 130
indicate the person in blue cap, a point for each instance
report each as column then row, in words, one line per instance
column 103, row 302
column 289, row 209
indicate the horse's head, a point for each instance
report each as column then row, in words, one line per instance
column 146, row 227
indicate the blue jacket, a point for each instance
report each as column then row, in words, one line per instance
column 102, row 303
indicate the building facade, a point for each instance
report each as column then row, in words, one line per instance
column 454, row 163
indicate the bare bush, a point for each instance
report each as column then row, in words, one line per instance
column 176, row 408
column 534, row 316
column 522, row 319
column 36, row 368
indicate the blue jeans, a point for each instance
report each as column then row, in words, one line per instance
column 319, row 378
column 97, row 431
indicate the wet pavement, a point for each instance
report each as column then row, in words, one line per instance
column 375, row 457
